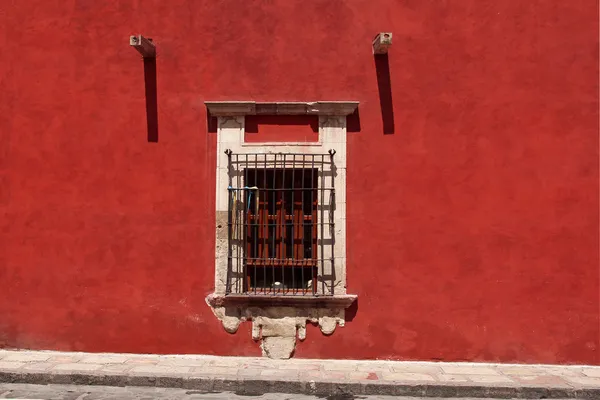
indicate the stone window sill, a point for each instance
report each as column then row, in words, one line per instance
column 337, row 301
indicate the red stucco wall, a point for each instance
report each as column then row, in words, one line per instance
column 472, row 222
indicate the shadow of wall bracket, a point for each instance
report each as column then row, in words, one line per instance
column 143, row 45
column 382, row 43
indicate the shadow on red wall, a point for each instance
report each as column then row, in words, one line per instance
column 151, row 98
column 384, row 85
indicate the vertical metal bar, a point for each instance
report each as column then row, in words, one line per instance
column 302, row 191
column 281, row 254
column 240, row 226
column 256, row 219
column 292, row 216
column 235, row 225
column 272, row 224
column 265, row 212
column 313, row 242
column 229, row 210
column 245, row 227
column 241, row 222
column 332, row 222
column 322, row 221
column 301, row 249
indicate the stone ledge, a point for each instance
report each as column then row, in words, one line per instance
column 238, row 108
column 336, row 301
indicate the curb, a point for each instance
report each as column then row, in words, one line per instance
column 318, row 388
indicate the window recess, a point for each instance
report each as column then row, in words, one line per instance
column 281, row 224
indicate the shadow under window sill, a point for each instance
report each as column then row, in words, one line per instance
column 319, row 301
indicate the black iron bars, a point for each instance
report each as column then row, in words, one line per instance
column 275, row 204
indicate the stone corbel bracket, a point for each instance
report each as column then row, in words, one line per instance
column 279, row 320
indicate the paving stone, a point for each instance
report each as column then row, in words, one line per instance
column 280, row 373
column 11, row 364
column 373, row 367
column 363, row 376
column 520, row 370
column 490, row 379
column 215, row 371
column 77, row 367
column 338, row 366
column 311, row 375
column 225, row 363
column 304, row 367
column 468, row 370
column 298, row 361
column 117, row 367
column 425, row 369
column 584, row 380
column 64, row 359
column 452, row 378
column 142, row 361
column 27, row 357
column 407, row 376
column 332, row 375
column 156, row 369
column 182, row 363
column 104, row 359
column 248, row 372
column 540, row 380
column 563, row 370
column 38, row 366
column 592, row 372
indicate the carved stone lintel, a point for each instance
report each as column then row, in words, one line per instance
column 233, row 108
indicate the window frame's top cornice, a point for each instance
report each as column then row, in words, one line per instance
column 238, row 108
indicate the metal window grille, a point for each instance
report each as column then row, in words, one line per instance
column 280, row 224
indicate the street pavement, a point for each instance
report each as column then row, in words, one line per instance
column 74, row 392
column 195, row 375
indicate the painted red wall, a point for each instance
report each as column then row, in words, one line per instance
column 473, row 223
column 281, row 128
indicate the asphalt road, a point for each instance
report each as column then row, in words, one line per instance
column 73, row 392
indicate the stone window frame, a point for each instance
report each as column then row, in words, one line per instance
column 278, row 319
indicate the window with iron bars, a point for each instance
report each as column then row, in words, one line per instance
column 280, row 223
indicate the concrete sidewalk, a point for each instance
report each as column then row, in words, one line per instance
column 318, row 377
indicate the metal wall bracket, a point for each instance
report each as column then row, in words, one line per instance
column 382, row 43
column 143, row 45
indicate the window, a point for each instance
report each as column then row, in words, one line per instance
column 264, row 223
column 276, row 222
